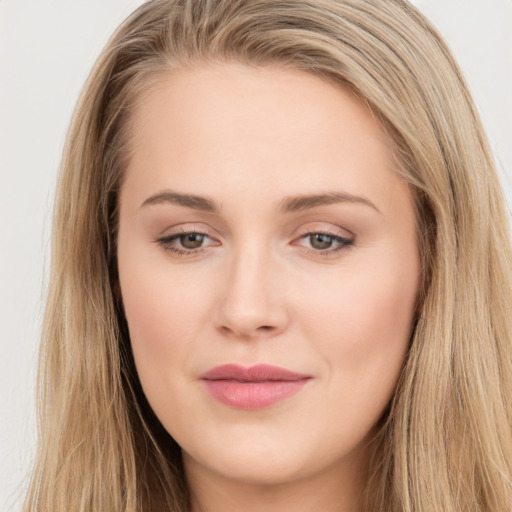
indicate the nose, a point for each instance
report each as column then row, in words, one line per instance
column 251, row 302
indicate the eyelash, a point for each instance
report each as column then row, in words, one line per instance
column 344, row 243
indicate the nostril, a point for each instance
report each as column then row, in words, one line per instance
column 247, row 334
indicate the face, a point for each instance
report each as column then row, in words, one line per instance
column 269, row 269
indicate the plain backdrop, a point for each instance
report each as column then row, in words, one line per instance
column 47, row 48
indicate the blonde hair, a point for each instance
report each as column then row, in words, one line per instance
column 445, row 442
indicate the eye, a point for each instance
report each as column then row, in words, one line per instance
column 326, row 243
column 191, row 240
column 184, row 243
column 189, row 243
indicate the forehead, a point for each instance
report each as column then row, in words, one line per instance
column 264, row 101
column 235, row 130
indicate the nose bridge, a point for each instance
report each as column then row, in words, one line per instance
column 250, row 304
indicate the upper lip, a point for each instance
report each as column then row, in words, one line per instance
column 257, row 373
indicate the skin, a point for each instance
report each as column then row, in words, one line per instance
column 261, row 289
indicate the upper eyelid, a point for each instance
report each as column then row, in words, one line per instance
column 326, row 231
column 184, row 229
column 335, row 231
column 174, row 236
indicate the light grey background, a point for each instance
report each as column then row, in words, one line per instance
column 47, row 48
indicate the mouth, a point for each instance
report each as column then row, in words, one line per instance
column 252, row 388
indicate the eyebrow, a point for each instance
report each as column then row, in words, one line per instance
column 287, row 205
column 305, row 202
column 190, row 201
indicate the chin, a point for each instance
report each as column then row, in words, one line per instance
column 250, row 458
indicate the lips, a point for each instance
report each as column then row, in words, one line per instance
column 252, row 388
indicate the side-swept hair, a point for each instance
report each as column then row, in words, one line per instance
column 445, row 443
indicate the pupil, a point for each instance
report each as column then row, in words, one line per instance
column 321, row 241
column 192, row 240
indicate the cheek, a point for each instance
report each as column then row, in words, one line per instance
column 363, row 308
column 164, row 315
column 362, row 329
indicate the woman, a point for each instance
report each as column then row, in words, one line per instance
column 281, row 271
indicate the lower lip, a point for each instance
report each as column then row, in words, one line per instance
column 252, row 395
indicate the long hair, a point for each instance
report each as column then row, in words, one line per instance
column 445, row 441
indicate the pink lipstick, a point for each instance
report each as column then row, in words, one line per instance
column 252, row 388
